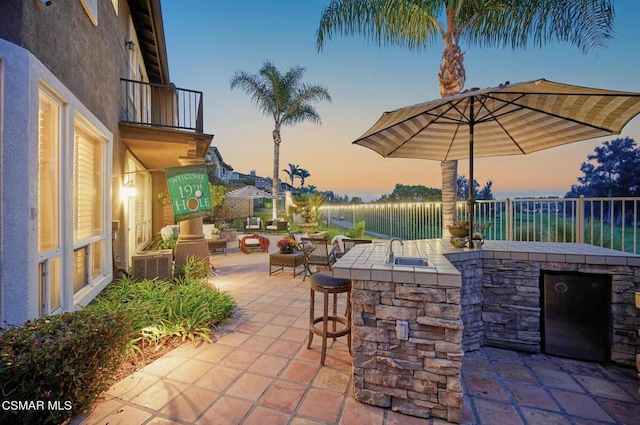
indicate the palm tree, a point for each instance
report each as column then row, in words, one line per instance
column 292, row 172
column 303, row 174
column 284, row 97
column 417, row 24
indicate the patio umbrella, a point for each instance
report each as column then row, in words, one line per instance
column 249, row 192
column 511, row 119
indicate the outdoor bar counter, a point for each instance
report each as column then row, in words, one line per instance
column 412, row 325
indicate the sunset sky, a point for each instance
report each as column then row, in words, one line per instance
column 207, row 41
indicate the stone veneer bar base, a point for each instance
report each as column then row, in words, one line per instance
column 469, row 298
column 419, row 376
column 503, row 309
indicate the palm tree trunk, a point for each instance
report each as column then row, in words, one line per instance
column 276, row 167
column 452, row 78
column 449, row 173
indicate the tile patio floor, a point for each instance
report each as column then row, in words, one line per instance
column 259, row 371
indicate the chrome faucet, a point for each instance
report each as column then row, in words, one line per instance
column 390, row 255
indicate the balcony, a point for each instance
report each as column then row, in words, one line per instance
column 161, row 105
column 161, row 123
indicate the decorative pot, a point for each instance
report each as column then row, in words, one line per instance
column 286, row 251
column 458, row 232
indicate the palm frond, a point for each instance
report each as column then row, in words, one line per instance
column 283, row 96
column 301, row 113
column 255, row 87
column 408, row 23
column 587, row 24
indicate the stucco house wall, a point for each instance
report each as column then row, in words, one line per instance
column 59, row 48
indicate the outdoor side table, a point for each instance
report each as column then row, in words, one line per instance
column 280, row 260
column 217, row 244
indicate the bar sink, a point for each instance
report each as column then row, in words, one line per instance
column 411, row 261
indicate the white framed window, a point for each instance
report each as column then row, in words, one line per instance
column 89, row 195
column 139, row 207
column 50, row 118
column 143, row 211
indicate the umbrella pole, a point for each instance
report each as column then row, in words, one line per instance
column 471, row 201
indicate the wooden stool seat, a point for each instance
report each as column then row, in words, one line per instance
column 326, row 284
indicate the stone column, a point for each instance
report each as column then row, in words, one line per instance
column 191, row 241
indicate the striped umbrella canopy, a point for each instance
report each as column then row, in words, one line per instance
column 511, row 119
column 249, row 192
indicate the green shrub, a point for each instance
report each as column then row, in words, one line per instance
column 141, row 301
column 60, row 363
column 194, row 268
column 169, row 243
column 186, row 307
column 358, row 230
column 334, row 232
column 356, row 233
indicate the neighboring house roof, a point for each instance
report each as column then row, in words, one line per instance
column 214, row 151
column 241, row 176
column 286, row 185
column 147, row 19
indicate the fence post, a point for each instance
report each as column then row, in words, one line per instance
column 353, row 216
column 580, row 220
column 508, row 221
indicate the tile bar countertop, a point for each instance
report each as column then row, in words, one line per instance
column 367, row 261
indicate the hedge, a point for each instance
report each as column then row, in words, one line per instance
column 52, row 369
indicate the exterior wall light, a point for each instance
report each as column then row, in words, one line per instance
column 130, row 45
column 129, row 190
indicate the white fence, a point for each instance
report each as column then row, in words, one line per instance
column 607, row 222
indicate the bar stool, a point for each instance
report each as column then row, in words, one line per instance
column 327, row 284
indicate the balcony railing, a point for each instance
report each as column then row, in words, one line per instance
column 162, row 106
column 607, row 222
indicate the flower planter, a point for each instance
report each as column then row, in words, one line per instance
column 458, row 232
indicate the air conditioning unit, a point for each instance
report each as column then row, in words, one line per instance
column 152, row 264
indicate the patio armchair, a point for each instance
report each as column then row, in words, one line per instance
column 276, row 225
column 252, row 224
column 317, row 252
column 254, row 242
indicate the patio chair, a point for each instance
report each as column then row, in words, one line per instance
column 252, row 224
column 297, row 236
column 338, row 246
column 317, row 252
column 276, row 225
column 350, row 243
column 254, row 242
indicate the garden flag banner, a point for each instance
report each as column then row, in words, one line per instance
column 189, row 191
